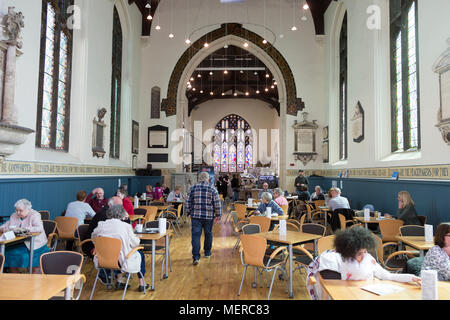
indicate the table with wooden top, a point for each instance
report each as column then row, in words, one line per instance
column 16, row 286
column 418, row 243
column 153, row 237
column 138, row 217
column 351, row 290
column 325, row 210
column 18, row 240
column 291, row 239
column 372, row 220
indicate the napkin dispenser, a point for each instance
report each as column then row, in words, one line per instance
column 162, row 225
column 269, row 212
column 282, row 227
column 429, row 233
column 136, row 202
column 429, row 284
column 366, row 214
column 250, row 202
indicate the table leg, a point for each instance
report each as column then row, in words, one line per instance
column 291, row 293
column 166, row 274
column 326, row 216
column 153, row 265
column 367, row 227
column 2, row 251
column 31, row 254
column 68, row 292
column 421, row 254
column 315, row 248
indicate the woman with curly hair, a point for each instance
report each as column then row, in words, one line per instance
column 357, row 264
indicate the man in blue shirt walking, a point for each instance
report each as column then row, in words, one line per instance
column 204, row 206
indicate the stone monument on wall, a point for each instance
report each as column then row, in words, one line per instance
column 11, row 134
column 442, row 67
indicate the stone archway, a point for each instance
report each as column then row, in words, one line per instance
column 294, row 104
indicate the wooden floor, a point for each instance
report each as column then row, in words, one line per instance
column 217, row 278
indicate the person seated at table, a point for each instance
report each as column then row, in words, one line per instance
column 357, row 264
column 267, row 202
column 80, row 209
column 278, row 198
column 175, row 196
column 438, row 257
column 166, row 189
column 114, row 227
column 304, row 194
column 149, row 191
column 406, row 210
column 158, row 192
column 264, row 189
column 98, row 201
column 18, row 255
column 127, row 204
column 337, row 201
column 317, row 194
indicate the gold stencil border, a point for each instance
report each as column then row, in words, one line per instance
column 12, row 168
column 432, row 172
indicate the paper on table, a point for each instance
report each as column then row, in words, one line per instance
column 429, row 233
column 8, row 236
column 282, row 227
column 366, row 214
column 429, row 284
column 162, row 225
column 250, row 200
column 382, row 289
column 136, row 202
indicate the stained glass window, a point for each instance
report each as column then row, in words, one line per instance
column 54, row 77
column 232, row 151
column 404, row 76
column 116, row 87
column 343, row 53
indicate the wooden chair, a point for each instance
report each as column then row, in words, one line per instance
column 302, row 220
column 396, row 261
column 423, row 220
column 319, row 203
column 412, row 231
column 263, row 222
column 289, row 227
column 325, row 243
column 255, row 194
column 237, row 226
column 174, row 217
column 66, row 227
column 312, row 228
column 107, row 251
column 83, row 237
column 390, row 229
column 50, row 232
column 2, row 262
column 295, row 222
column 241, row 210
column 45, row 214
column 251, row 228
column 302, row 258
column 253, row 254
column 151, row 213
column 160, row 245
column 343, row 222
column 63, row 262
column 285, row 209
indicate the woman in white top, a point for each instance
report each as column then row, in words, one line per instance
column 114, row 227
column 357, row 263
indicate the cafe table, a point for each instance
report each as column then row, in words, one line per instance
column 153, row 237
column 417, row 242
column 291, row 239
column 17, row 286
column 352, row 290
column 325, row 210
column 16, row 240
column 372, row 220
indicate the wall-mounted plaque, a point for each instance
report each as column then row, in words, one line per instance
column 98, row 135
column 135, row 137
column 442, row 67
column 358, row 124
column 158, row 137
column 305, row 140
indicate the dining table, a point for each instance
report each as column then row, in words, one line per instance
column 417, row 242
column 30, row 237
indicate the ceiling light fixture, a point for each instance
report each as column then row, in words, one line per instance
column 171, row 36
column 188, row 41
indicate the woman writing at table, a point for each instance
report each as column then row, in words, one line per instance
column 18, row 256
column 406, row 210
column 438, row 257
column 357, row 264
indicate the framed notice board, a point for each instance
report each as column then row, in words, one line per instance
column 158, row 137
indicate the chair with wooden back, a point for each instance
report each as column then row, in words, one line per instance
column 160, row 245
column 83, row 238
column 255, row 194
column 45, row 214
column 62, row 263
column 285, row 208
column 2, row 262
column 262, row 221
column 66, row 227
column 390, row 229
column 107, row 251
column 312, row 228
column 319, row 203
column 395, row 262
column 412, row 231
column 151, row 213
column 343, row 222
column 241, row 211
column 237, row 226
column 302, row 220
column 325, row 243
column 253, row 254
column 174, row 215
column 50, row 232
column 295, row 222
column 423, row 220
column 289, row 227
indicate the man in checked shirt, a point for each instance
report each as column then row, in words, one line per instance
column 204, row 206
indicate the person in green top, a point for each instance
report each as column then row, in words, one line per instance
column 300, row 180
column 406, row 210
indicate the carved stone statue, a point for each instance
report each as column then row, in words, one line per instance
column 14, row 22
column 98, row 133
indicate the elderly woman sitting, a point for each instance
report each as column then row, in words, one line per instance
column 267, row 202
column 278, row 197
column 115, row 227
column 18, row 256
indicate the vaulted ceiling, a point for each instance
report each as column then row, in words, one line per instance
column 317, row 7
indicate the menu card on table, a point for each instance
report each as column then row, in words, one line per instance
column 429, row 284
column 429, row 233
column 382, row 289
column 282, row 227
column 250, row 200
column 366, row 214
column 162, row 225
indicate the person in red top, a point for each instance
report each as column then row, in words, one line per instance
column 158, row 192
column 127, row 205
column 99, row 201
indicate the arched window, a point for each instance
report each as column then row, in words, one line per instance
column 233, row 145
column 116, row 86
column 55, row 74
column 404, row 75
column 343, row 86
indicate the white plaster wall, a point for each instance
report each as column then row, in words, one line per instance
column 91, row 79
column 369, row 82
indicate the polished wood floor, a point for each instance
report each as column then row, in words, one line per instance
column 217, row 278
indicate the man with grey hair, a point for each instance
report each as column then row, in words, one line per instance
column 338, row 202
column 204, row 206
column 317, row 195
column 267, row 202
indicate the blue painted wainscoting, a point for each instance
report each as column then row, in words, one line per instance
column 432, row 198
column 53, row 194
